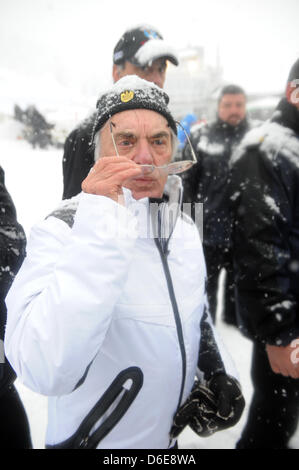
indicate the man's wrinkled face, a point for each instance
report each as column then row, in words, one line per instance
column 155, row 72
column 143, row 136
column 232, row 108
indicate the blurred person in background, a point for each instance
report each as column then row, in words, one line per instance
column 140, row 51
column 265, row 236
column 14, row 427
column 207, row 183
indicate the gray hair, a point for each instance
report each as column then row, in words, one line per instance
column 97, row 146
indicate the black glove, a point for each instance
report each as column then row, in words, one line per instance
column 212, row 407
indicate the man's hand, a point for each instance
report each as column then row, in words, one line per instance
column 108, row 176
column 210, row 408
column 283, row 359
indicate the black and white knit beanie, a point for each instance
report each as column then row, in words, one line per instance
column 132, row 92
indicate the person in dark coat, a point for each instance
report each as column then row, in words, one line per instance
column 265, row 211
column 207, row 183
column 14, row 427
column 37, row 131
column 140, row 51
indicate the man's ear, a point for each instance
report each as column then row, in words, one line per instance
column 116, row 73
column 292, row 92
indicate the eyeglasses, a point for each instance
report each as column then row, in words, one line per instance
column 173, row 168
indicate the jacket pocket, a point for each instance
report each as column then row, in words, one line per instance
column 86, row 437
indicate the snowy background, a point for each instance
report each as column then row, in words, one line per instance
column 34, row 180
column 57, row 54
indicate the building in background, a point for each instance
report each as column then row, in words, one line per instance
column 262, row 106
column 194, row 88
column 192, row 85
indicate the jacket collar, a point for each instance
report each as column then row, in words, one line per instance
column 242, row 126
column 165, row 211
column 157, row 217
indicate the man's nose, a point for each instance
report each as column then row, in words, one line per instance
column 236, row 110
column 143, row 155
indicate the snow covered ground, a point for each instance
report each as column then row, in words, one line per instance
column 34, row 180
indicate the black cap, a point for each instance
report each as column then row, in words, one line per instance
column 294, row 72
column 132, row 92
column 141, row 46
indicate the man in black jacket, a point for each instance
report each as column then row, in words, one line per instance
column 140, row 51
column 207, row 183
column 265, row 208
column 14, row 427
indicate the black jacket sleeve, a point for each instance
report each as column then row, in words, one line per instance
column 12, row 239
column 12, row 253
column 209, row 359
column 263, row 201
column 78, row 159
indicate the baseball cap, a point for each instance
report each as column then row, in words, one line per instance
column 141, row 46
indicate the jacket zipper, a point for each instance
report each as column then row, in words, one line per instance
column 177, row 317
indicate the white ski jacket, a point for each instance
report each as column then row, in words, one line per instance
column 97, row 308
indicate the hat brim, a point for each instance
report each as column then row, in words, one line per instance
column 169, row 57
column 152, row 50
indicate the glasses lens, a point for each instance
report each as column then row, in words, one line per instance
column 173, row 168
column 179, row 167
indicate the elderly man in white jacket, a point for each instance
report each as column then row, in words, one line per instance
column 106, row 315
